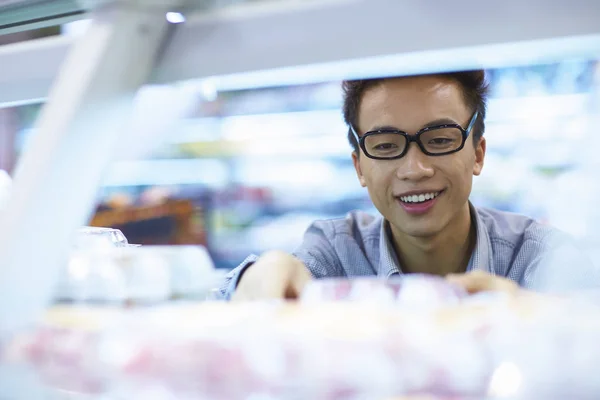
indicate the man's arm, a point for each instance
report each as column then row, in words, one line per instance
column 233, row 277
column 560, row 267
column 276, row 274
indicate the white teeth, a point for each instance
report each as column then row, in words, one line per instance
column 419, row 198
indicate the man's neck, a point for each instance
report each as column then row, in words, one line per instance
column 447, row 252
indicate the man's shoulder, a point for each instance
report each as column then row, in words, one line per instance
column 514, row 229
column 538, row 256
column 355, row 223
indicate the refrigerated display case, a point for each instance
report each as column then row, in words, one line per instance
column 84, row 119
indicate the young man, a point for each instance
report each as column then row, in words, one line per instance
column 418, row 141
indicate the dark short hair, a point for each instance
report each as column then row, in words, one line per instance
column 473, row 84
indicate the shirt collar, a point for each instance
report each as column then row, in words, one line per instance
column 481, row 258
column 388, row 261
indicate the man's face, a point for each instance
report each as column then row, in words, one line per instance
column 410, row 104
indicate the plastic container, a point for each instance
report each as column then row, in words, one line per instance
column 137, row 275
column 410, row 291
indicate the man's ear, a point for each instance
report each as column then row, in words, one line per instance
column 479, row 156
column 356, row 162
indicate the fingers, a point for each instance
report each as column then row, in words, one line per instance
column 472, row 282
column 259, row 283
column 276, row 275
column 300, row 279
column 479, row 281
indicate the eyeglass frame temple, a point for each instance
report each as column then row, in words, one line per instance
column 469, row 127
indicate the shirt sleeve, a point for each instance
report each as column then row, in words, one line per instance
column 233, row 277
column 316, row 252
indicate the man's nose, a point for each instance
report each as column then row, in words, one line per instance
column 415, row 165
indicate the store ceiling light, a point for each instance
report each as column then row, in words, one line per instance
column 208, row 88
column 175, row 17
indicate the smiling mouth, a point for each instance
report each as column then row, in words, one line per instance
column 419, row 198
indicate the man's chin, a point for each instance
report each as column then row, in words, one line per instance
column 418, row 230
column 422, row 233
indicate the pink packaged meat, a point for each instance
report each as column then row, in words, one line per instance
column 482, row 347
column 410, row 291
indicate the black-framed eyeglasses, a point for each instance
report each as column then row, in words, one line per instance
column 438, row 140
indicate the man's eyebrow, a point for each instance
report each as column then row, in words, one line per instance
column 439, row 121
column 384, row 128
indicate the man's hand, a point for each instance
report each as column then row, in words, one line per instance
column 479, row 281
column 276, row 275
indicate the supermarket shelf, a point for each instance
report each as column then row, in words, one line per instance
column 114, row 217
column 261, row 129
column 260, row 126
column 28, row 69
column 21, row 15
column 354, row 39
column 212, row 173
column 235, row 47
column 259, row 135
column 317, row 134
column 134, row 222
column 218, row 173
column 78, row 129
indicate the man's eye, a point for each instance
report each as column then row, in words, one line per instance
column 386, row 146
column 440, row 140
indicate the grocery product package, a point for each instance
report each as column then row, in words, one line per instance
column 93, row 237
column 137, row 275
column 336, row 343
column 104, row 268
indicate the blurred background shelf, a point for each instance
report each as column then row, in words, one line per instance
column 166, row 222
column 259, row 165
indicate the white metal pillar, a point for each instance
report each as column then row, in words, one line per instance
column 56, row 180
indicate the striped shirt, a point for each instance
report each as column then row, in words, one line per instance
column 534, row 255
